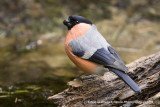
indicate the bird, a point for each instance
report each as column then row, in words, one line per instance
column 90, row 51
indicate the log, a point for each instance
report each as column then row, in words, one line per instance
column 109, row 90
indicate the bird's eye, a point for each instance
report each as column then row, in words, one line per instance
column 77, row 21
column 73, row 20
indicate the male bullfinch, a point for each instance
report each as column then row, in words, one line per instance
column 88, row 49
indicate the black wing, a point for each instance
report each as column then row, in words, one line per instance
column 108, row 58
column 114, row 53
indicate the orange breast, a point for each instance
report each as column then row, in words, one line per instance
column 75, row 32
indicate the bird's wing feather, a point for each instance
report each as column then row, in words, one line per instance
column 114, row 53
column 106, row 58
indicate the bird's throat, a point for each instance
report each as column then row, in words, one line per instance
column 77, row 31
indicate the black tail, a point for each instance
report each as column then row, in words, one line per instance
column 127, row 80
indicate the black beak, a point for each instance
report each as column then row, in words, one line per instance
column 66, row 22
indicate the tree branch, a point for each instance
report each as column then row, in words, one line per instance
column 109, row 90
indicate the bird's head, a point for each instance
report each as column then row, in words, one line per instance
column 73, row 20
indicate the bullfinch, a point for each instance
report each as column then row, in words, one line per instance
column 88, row 50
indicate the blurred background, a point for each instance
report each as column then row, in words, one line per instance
column 33, row 62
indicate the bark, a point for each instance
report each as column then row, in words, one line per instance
column 108, row 90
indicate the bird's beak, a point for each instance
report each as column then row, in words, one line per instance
column 67, row 23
